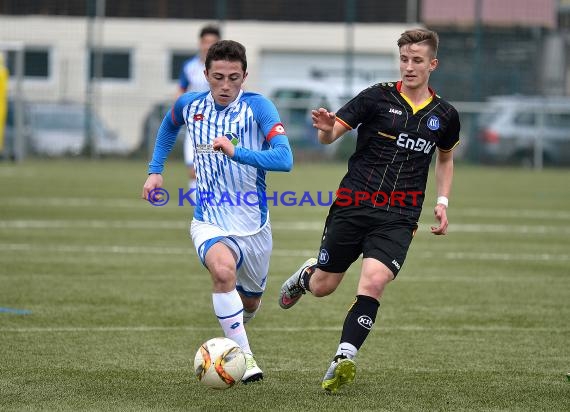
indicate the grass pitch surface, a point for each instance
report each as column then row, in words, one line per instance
column 103, row 302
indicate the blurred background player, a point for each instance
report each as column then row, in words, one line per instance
column 400, row 126
column 232, row 235
column 192, row 79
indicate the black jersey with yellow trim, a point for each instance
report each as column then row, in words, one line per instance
column 395, row 145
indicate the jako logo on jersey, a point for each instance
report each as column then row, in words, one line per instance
column 395, row 111
column 433, row 123
column 323, row 256
column 198, row 117
column 365, row 321
column 418, row 145
column 395, row 263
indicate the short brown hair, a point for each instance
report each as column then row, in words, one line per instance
column 417, row 36
column 214, row 30
column 228, row 50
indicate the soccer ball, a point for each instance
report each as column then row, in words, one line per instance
column 219, row 363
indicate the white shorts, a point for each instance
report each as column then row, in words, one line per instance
column 253, row 253
column 188, row 150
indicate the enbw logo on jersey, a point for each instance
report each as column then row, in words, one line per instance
column 433, row 123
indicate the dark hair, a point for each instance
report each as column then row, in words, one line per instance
column 210, row 30
column 226, row 50
column 417, row 36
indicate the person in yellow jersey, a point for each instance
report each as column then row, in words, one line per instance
column 4, row 75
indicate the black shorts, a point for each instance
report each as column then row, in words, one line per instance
column 374, row 233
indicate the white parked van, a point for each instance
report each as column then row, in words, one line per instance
column 514, row 127
column 295, row 100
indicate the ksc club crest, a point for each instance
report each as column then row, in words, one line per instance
column 433, row 123
column 323, row 256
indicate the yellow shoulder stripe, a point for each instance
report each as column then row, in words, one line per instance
column 387, row 135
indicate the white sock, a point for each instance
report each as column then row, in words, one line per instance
column 347, row 350
column 228, row 307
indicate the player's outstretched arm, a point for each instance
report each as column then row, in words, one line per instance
column 328, row 128
column 165, row 139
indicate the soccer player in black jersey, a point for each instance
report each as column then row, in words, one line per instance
column 400, row 126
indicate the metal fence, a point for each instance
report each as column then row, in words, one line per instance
column 121, row 65
column 507, row 130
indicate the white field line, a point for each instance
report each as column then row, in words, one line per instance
column 93, row 224
column 154, row 250
column 513, row 213
column 281, row 226
column 41, row 202
column 453, row 228
column 300, row 329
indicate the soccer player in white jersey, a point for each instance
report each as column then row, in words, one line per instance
column 238, row 136
column 192, row 79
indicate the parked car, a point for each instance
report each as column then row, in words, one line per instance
column 150, row 126
column 58, row 129
column 509, row 128
column 296, row 98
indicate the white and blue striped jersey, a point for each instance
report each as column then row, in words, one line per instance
column 192, row 78
column 230, row 192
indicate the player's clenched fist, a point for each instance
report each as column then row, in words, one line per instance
column 153, row 181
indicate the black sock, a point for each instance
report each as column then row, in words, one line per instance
column 359, row 320
column 306, row 277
